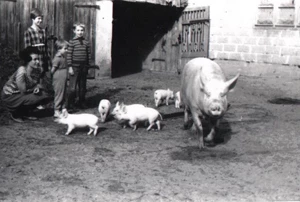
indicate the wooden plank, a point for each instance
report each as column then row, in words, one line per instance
column 195, row 8
column 64, row 18
column 194, row 55
column 177, row 3
column 18, row 25
column 25, row 20
column 10, row 0
column 87, row 6
column 9, row 24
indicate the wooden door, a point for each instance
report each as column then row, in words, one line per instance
column 86, row 14
column 195, row 34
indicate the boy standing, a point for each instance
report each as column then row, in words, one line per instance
column 78, row 59
column 60, row 73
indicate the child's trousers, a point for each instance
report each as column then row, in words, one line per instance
column 77, row 81
column 59, row 85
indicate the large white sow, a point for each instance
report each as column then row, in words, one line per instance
column 204, row 94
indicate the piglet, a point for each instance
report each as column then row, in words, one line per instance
column 177, row 100
column 140, row 115
column 121, row 107
column 161, row 94
column 78, row 121
column 103, row 108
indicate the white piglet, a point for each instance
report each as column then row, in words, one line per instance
column 78, row 121
column 129, row 108
column 103, row 108
column 140, row 115
column 177, row 100
column 121, row 107
column 161, row 94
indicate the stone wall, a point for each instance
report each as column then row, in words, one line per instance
column 235, row 36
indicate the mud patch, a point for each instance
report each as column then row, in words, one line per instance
column 172, row 115
column 73, row 181
column 285, row 101
column 147, row 88
column 43, row 142
column 249, row 113
column 3, row 195
column 116, row 186
column 192, row 154
column 104, row 152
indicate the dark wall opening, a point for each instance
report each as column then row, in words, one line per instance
column 137, row 27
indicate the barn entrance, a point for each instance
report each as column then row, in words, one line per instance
column 137, row 28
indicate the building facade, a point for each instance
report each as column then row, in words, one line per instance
column 263, row 31
column 162, row 35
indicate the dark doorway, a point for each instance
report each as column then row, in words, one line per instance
column 137, row 27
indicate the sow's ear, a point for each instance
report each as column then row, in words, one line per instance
column 203, row 88
column 230, row 84
column 202, row 84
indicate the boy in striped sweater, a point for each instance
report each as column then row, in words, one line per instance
column 78, row 60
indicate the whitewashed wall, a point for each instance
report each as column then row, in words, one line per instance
column 234, row 36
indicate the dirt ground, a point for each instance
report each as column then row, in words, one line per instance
column 257, row 156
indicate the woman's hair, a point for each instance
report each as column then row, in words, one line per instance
column 78, row 25
column 60, row 43
column 35, row 13
column 25, row 54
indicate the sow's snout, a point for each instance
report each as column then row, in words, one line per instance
column 217, row 109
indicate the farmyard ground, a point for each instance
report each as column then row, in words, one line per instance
column 257, row 157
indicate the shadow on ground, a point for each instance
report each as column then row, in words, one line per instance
column 285, row 101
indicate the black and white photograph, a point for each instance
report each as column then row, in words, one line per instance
column 150, row 101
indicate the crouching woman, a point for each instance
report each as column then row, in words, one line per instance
column 22, row 92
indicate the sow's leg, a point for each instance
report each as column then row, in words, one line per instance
column 214, row 125
column 199, row 129
column 186, row 118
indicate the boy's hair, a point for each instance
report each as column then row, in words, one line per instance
column 78, row 25
column 25, row 54
column 60, row 43
column 35, row 13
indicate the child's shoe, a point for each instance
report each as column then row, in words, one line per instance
column 32, row 118
column 40, row 107
column 56, row 113
column 16, row 118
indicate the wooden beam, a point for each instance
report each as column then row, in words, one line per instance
column 9, row 0
column 87, row 6
column 175, row 3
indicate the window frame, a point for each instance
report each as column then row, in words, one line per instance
column 278, row 10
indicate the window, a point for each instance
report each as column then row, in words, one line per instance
column 277, row 13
